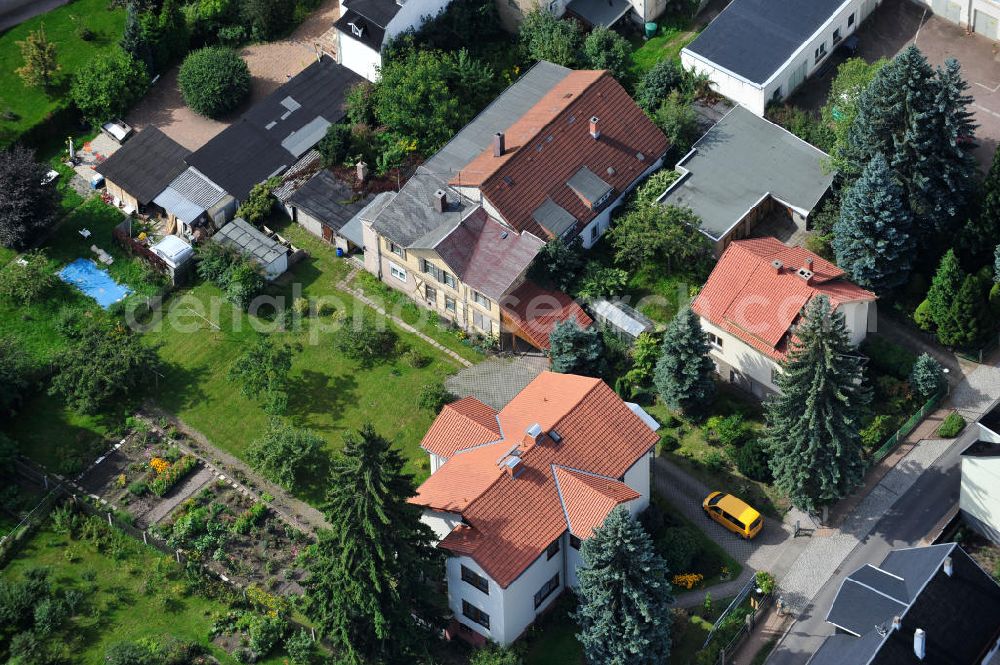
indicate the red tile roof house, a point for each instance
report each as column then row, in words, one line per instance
column 552, row 156
column 513, row 494
column 754, row 297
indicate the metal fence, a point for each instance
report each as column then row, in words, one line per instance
column 907, row 427
column 759, row 604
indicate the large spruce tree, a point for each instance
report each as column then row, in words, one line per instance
column 370, row 587
column 683, row 375
column 915, row 116
column 625, row 595
column 813, row 424
column 873, row 238
column 576, row 350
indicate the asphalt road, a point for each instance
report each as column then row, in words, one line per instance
column 904, row 525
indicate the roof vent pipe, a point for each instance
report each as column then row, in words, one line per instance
column 595, row 129
column 498, row 144
column 440, row 201
column 948, row 566
column 897, row 623
column 776, row 264
column 919, row 643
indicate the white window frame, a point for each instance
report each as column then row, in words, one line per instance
column 820, row 53
column 453, row 304
column 398, row 272
column 397, row 250
column 482, row 300
column 714, row 340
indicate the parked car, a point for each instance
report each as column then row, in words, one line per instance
column 118, row 130
column 733, row 513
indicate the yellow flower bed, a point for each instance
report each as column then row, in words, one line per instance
column 159, row 464
column 688, row 580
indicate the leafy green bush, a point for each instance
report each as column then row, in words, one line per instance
column 751, row 459
column 877, row 431
column 714, row 461
column 249, row 518
column 653, row 187
column 300, row 648
column 259, row 202
column 434, row 396
column 600, row 281
column 730, row 430
column 495, row 655
column 335, row 145
column 678, row 120
column 679, row 545
column 286, row 455
column 669, row 443
column 665, row 76
column 887, row 357
column 951, row 426
column 27, row 280
column 922, row 316
column 107, row 86
column 214, row 81
column 366, row 342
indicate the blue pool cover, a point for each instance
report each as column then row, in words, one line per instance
column 93, row 281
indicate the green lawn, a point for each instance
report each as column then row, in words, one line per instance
column 673, row 34
column 118, row 607
column 329, row 393
column 695, row 448
column 30, row 106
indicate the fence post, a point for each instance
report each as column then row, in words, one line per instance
column 144, row 540
column 313, row 631
column 177, row 554
column 109, row 520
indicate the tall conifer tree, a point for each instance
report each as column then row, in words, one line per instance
column 683, row 375
column 625, row 595
column 813, row 425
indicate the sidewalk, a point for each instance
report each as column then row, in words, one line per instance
column 770, row 630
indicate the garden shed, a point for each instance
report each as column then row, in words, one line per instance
column 142, row 168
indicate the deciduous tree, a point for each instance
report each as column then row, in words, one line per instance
column 26, row 205
column 558, row 264
column 287, row 455
column 678, row 121
column 576, row 350
column 813, row 425
column 625, row 595
column 262, row 373
column 854, row 75
column 107, row 86
column 684, row 373
column 604, row 48
column 14, row 368
column 371, row 576
column 545, row 37
column 665, row 76
column 662, row 236
column 105, row 365
column 40, row 59
column 259, row 202
column 873, row 237
column 27, row 280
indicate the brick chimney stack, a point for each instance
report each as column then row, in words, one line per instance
column 595, row 127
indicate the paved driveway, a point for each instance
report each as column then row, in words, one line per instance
column 896, row 24
column 271, row 64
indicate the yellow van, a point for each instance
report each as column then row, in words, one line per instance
column 733, row 514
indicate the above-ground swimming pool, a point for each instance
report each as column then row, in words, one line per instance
column 95, row 282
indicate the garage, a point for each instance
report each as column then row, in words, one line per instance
column 985, row 24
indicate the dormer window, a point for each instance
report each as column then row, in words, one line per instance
column 358, row 30
column 591, row 189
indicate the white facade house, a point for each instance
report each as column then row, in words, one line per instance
column 979, row 499
column 753, row 299
column 366, row 26
column 979, row 16
column 759, row 51
column 514, row 493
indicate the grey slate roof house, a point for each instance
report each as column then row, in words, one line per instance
column 921, row 605
column 324, row 205
column 759, row 51
column 277, row 131
column 138, row 171
column 745, row 170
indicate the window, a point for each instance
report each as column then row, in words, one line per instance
column 546, row 590
column 551, row 551
column 430, row 296
column 836, row 36
column 850, row 20
column 470, row 611
column 449, row 304
column 429, row 268
column 481, row 321
column 601, row 201
column 397, row 272
column 714, row 340
column 735, row 522
column 821, row 52
column 554, row 6
column 476, row 580
column 481, row 299
column 397, row 250
column 449, row 279
column 593, row 232
column 574, row 542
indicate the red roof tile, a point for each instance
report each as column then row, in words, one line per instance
column 551, row 142
column 516, row 516
column 531, row 313
column 751, row 299
column 462, row 424
column 587, row 499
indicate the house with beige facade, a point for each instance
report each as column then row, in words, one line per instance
column 514, row 493
column 755, row 296
column 551, row 157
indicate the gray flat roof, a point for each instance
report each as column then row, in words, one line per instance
column 754, row 38
column 739, row 161
column 250, row 242
column 599, row 12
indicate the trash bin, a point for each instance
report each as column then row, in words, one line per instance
column 340, row 253
column 651, row 30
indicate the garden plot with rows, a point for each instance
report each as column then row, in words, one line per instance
column 153, row 481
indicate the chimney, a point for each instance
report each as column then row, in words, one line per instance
column 809, row 264
column 362, row 171
column 595, row 129
column 897, row 623
column 919, row 643
column 776, row 264
column 511, row 465
column 532, row 435
column 498, row 144
column 948, row 566
column 440, row 201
